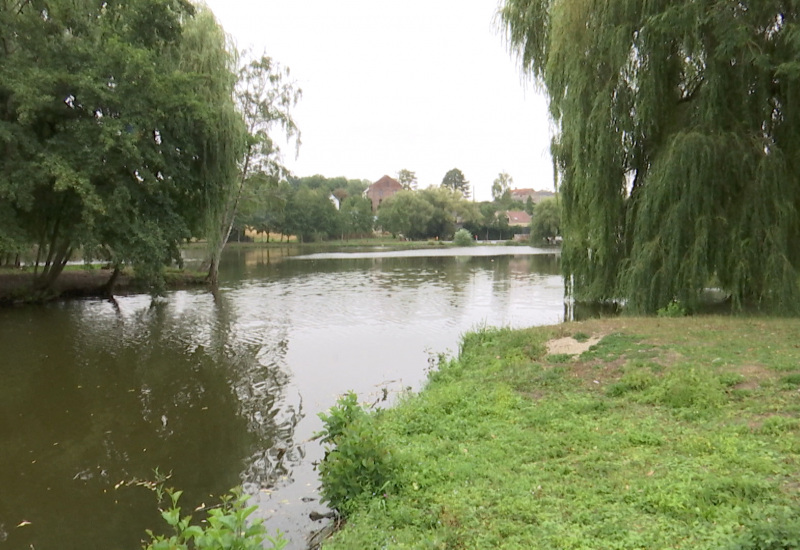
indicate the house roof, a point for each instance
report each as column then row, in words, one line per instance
column 386, row 182
column 518, row 217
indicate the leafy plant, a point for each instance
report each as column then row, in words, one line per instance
column 357, row 464
column 226, row 527
column 346, row 411
column 673, row 309
column 781, row 532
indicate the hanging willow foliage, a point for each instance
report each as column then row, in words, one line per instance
column 677, row 144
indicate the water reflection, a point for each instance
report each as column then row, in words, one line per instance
column 225, row 389
column 94, row 395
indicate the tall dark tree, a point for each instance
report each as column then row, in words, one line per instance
column 455, row 181
column 676, row 147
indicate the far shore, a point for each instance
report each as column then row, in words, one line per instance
column 83, row 281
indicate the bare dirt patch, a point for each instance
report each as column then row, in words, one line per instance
column 570, row 346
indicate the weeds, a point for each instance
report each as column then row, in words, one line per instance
column 357, row 465
column 226, row 527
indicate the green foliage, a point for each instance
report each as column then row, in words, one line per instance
column 632, row 381
column 791, row 380
column 407, row 179
column 672, row 309
column 265, row 96
column 227, row 527
column 356, row 216
column 118, row 128
column 406, row 213
column 507, row 451
column 357, row 465
column 463, row 238
column 691, row 387
column 546, row 220
column 779, row 531
column 455, row 181
column 501, row 188
column 429, row 213
column 675, row 152
column 311, row 216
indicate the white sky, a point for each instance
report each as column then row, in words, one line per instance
column 426, row 85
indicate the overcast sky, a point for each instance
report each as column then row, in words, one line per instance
column 426, row 85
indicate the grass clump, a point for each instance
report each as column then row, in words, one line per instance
column 646, row 441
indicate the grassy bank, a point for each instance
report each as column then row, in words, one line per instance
column 668, row 433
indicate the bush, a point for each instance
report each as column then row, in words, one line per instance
column 463, row 238
column 357, row 464
column 673, row 309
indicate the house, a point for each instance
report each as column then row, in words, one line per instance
column 518, row 218
column 522, row 195
column 382, row 190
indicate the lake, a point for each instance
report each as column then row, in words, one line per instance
column 224, row 389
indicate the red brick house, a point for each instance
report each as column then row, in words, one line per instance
column 382, row 190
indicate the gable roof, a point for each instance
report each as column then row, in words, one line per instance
column 518, row 217
column 386, row 182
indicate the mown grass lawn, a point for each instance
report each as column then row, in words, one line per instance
column 668, row 433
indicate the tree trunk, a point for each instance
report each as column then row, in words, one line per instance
column 108, row 287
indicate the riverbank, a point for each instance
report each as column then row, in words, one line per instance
column 16, row 285
column 680, row 433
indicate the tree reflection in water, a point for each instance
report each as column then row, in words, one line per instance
column 106, row 395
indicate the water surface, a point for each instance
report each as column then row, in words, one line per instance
column 224, row 389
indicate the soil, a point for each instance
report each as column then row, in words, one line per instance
column 570, row 346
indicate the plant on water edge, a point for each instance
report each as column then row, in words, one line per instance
column 225, row 528
column 463, row 238
column 357, row 464
column 673, row 309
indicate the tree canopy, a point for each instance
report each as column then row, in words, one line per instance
column 118, row 129
column 676, row 144
column 407, row 179
column 546, row 220
column 501, row 187
column 455, row 181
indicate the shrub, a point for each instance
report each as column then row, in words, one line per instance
column 357, row 465
column 673, row 309
column 463, row 238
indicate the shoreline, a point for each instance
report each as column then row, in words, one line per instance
column 16, row 286
column 628, row 432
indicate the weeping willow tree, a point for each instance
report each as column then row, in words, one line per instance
column 677, row 144
column 209, row 57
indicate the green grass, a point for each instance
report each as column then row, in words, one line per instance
column 669, row 433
